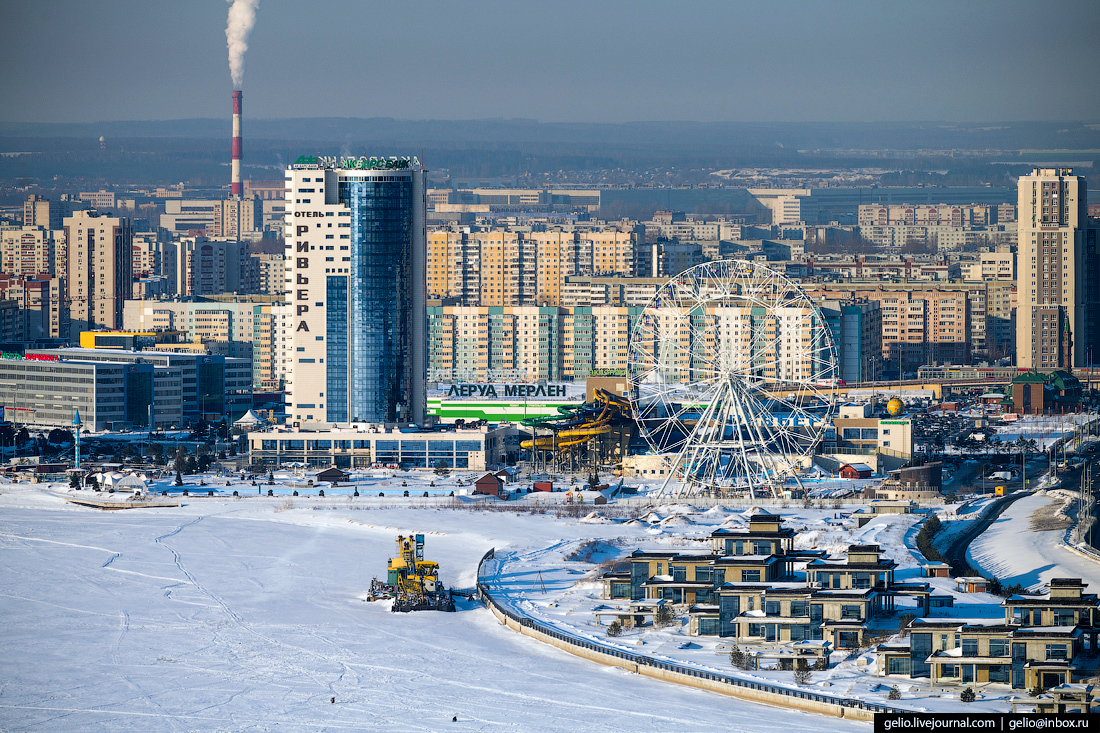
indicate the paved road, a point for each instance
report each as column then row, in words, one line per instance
column 956, row 553
column 968, row 477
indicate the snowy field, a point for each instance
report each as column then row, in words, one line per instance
column 248, row 615
column 1014, row 553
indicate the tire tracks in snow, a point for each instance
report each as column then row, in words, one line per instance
column 142, row 695
column 238, row 621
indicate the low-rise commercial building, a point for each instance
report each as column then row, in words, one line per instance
column 39, row 391
column 212, row 387
column 365, row 445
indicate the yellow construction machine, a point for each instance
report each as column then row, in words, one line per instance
column 412, row 581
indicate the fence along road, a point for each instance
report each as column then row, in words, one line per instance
column 726, row 684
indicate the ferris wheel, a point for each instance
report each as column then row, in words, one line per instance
column 734, row 378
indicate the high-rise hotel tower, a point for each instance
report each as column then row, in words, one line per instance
column 354, row 318
column 1058, row 281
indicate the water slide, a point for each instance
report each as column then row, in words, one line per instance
column 578, row 425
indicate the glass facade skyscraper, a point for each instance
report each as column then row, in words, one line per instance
column 355, row 319
column 378, row 294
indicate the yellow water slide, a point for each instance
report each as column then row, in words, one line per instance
column 570, row 437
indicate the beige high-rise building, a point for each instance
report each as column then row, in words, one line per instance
column 922, row 323
column 206, row 267
column 231, row 325
column 32, row 251
column 41, row 309
column 48, row 214
column 477, row 342
column 503, row 266
column 506, row 266
column 610, row 336
column 148, row 255
column 99, row 274
column 266, row 273
column 1050, row 319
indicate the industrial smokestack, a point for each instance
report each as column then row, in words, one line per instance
column 237, row 98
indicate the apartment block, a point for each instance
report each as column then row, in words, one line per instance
column 41, row 308
column 518, row 266
column 884, row 268
column 32, row 251
column 99, row 270
column 939, row 237
column 921, row 324
column 1055, row 318
column 49, row 214
column 999, row 265
column 937, row 214
column 675, row 224
column 527, row 342
column 206, row 267
column 621, row 291
column 471, row 342
column 264, row 274
column 856, row 329
column 232, row 219
column 236, row 326
column 150, row 258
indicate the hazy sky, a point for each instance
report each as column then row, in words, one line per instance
column 562, row 60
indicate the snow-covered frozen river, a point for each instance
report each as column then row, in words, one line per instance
column 244, row 615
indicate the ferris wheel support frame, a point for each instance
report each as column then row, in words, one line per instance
column 769, row 433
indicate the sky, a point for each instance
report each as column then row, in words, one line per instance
column 562, row 61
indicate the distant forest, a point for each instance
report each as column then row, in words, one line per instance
column 197, row 151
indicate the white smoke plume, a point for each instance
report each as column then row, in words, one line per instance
column 242, row 16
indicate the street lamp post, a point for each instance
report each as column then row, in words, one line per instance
column 78, row 425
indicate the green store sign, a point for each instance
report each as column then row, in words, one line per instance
column 363, row 162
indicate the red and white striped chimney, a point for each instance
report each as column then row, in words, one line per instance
column 237, row 190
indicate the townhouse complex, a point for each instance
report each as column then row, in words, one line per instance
column 754, row 588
